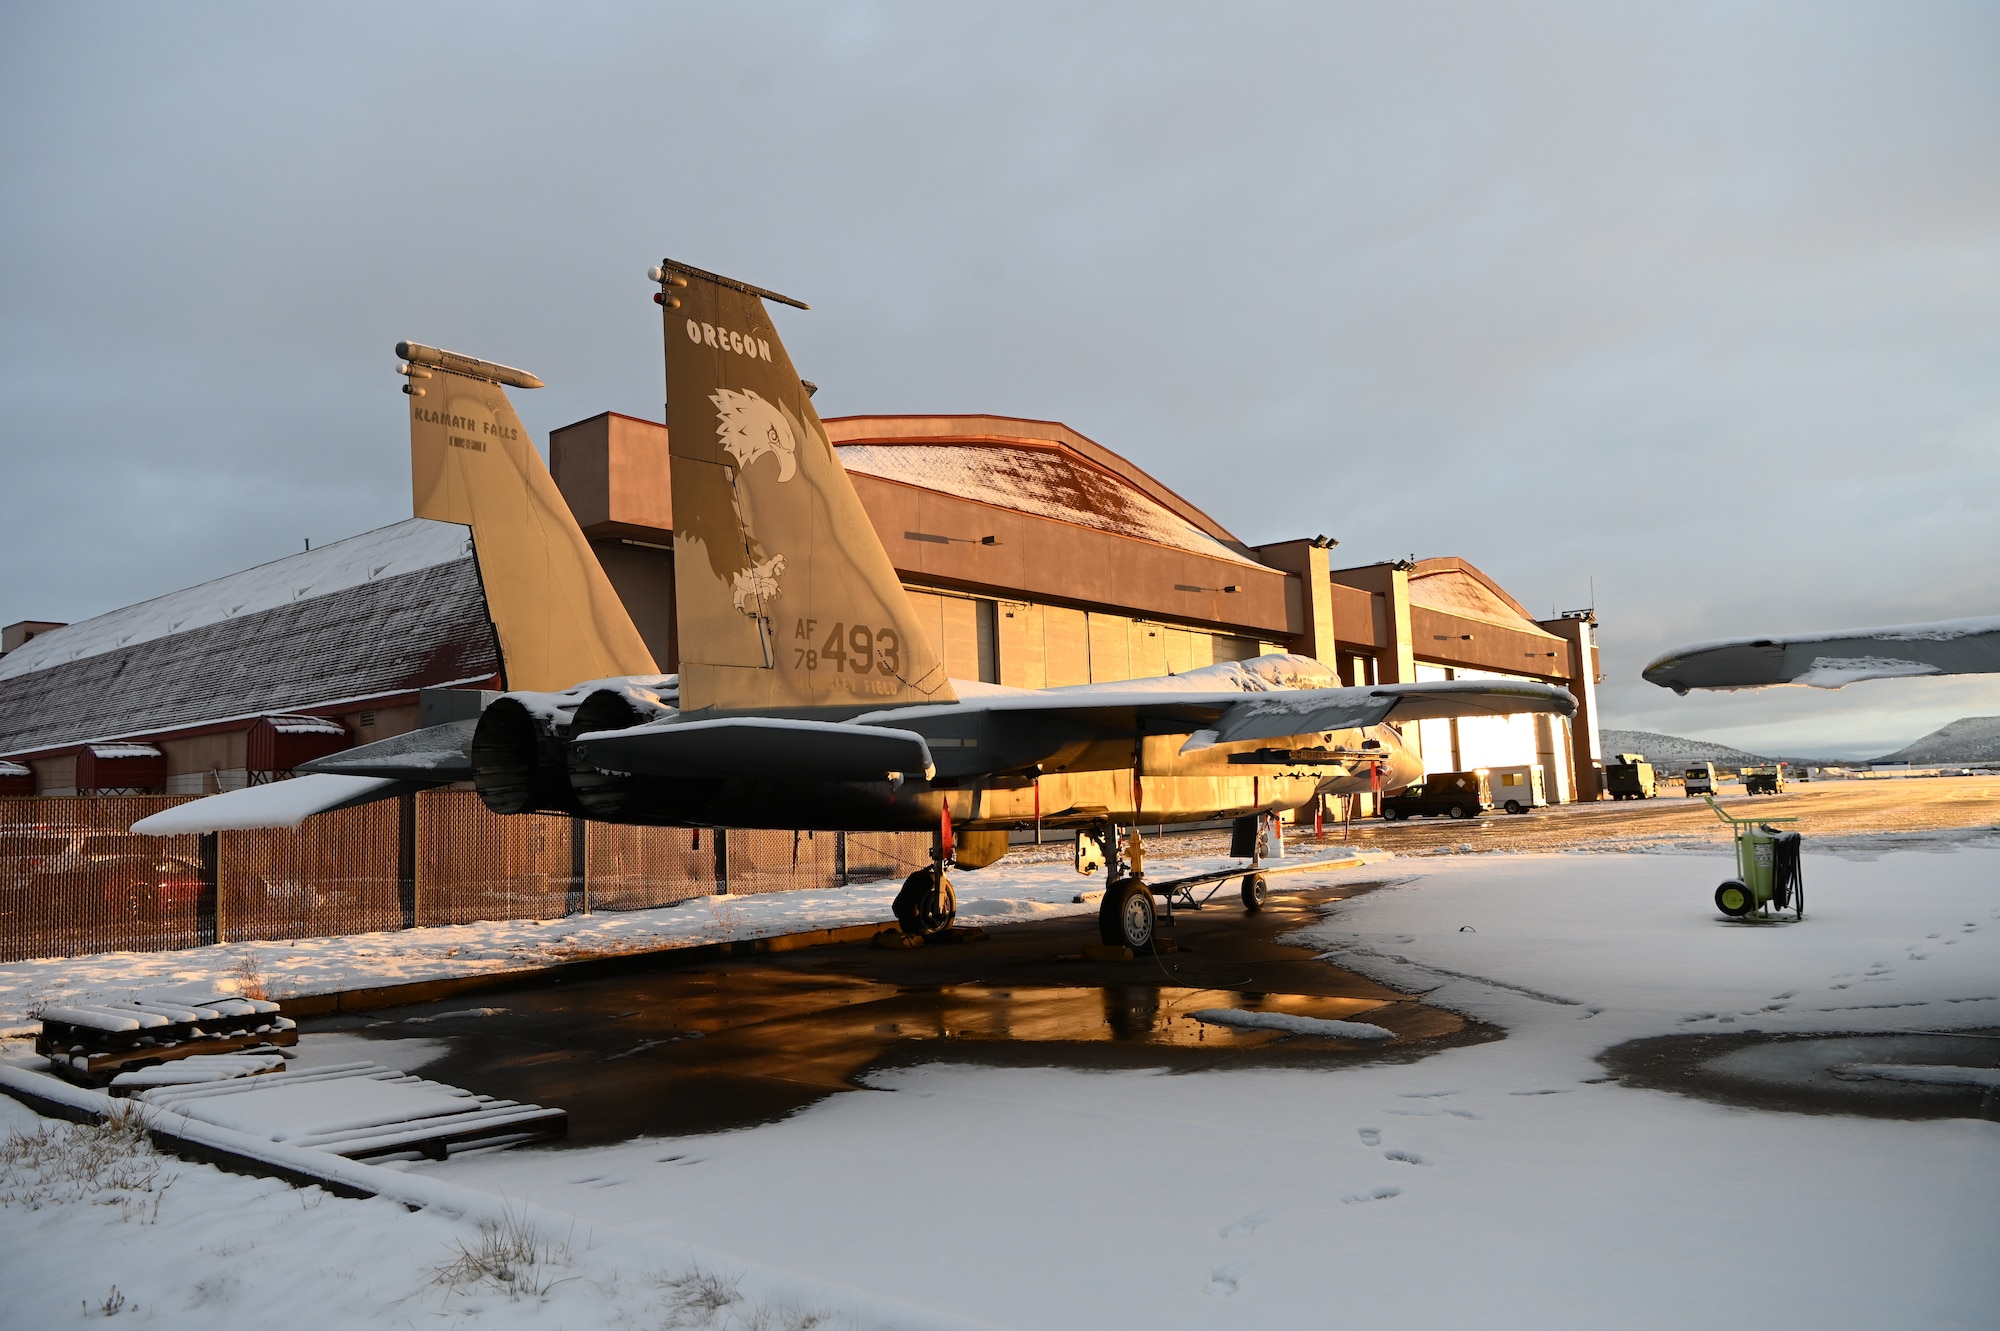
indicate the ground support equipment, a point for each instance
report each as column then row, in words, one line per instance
column 1768, row 874
column 1128, row 917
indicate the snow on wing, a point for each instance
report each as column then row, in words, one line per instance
column 1217, row 716
column 1275, row 715
column 279, row 804
column 1830, row 660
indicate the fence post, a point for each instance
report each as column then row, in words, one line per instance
column 722, row 861
column 578, row 900
column 840, row 857
column 207, row 910
column 406, row 858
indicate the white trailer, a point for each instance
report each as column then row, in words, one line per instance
column 1518, row 789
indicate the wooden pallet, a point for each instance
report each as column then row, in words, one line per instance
column 325, row 1109
column 90, row 1043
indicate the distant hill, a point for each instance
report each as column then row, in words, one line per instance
column 1669, row 753
column 1970, row 739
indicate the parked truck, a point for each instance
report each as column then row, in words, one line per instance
column 1450, row 794
column 1630, row 777
column 1764, row 780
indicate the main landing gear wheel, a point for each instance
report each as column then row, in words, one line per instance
column 1126, row 917
column 1733, row 899
column 926, row 905
column 1254, row 891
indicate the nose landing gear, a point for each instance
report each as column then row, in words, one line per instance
column 1127, row 916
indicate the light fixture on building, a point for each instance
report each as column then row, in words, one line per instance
column 1324, row 542
column 1190, row 587
column 932, row 538
column 1447, row 637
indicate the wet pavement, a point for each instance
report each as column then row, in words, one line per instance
column 1814, row 1073
column 676, row 1049
column 670, row 1048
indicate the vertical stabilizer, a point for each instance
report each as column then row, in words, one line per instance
column 471, row 461
column 786, row 598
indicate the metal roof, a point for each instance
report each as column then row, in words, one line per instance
column 1044, row 482
column 387, row 634
column 387, row 552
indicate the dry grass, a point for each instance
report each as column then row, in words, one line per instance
column 710, row 1299
column 696, row 1298
column 108, row 1164
column 249, row 975
column 725, row 919
column 511, row 1256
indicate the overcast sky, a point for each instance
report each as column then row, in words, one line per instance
column 1694, row 305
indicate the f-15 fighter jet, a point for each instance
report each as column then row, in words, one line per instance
column 809, row 695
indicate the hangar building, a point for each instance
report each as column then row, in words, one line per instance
column 1041, row 557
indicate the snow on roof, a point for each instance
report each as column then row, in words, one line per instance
column 402, row 547
column 124, row 751
column 1046, row 482
column 1456, row 592
column 427, row 627
column 306, row 725
column 15, row 769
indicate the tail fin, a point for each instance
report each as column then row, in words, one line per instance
column 786, row 598
column 471, row 461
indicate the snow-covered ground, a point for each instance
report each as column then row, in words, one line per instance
column 1498, row 1185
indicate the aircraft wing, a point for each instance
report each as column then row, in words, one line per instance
column 1274, row 715
column 757, row 746
column 1210, row 716
column 1830, row 660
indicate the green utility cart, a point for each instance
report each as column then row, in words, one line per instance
column 1768, row 875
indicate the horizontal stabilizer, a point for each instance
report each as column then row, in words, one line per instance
column 1829, row 660
column 279, row 804
column 435, row 755
column 754, row 746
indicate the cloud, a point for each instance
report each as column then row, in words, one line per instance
column 1694, row 302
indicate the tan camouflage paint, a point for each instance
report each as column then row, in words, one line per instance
column 787, row 600
column 471, row 461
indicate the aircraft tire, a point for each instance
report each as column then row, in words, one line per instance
column 1255, row 889
column 1126, row 916
column 926, row 904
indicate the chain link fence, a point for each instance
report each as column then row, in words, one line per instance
column 75, row 881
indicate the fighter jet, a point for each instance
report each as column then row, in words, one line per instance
column 808, row 694
column 1833, row 660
